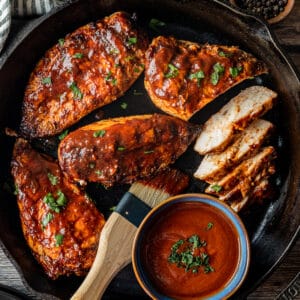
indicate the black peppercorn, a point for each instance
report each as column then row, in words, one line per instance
column 265, row 8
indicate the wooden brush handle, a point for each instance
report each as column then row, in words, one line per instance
column 113, row 254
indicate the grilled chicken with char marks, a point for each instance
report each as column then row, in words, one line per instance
column 181, row 77
column 218, row 131
column 126, row 149
column 88, row 69
column 60, row 223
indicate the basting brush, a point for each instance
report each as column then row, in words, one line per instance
column 117, row 235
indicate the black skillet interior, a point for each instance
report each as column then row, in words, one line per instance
column 271, row 226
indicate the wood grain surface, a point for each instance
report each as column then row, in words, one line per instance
column 288, row 35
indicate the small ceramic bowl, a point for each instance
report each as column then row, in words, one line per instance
column 174, row 237
column 280, row 16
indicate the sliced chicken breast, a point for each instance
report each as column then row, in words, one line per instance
column 214, row 166
column 235, row 116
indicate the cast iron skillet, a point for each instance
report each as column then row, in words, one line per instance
column 271, row 226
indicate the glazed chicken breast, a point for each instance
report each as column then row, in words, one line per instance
column 60, row 223
column 126, row 149
column 181, row 77
column 88, row 69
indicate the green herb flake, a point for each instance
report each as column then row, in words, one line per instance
column 172, row 71
column 61, row 42
column 121, row 148
column 235, row 71
column 155, row 24
column 208, row 269
column 63, row 135
column 224, row 54
column 114, row 51
column 98, row 172
column 136, row 70
column 129, row 58
column 194, row 239
column 132, row 40
column 218, row 70
column 16, row 190
column 52, row 178
column 113, row 208
column 124, row 105
column 148, row 151
column 209, row 226
column 109, row 78
column 136, row 93
column 78, row 95
column 117, row 65
column 59, row 239
column 99, row 133
column 46, row 80
column 78, row 55
column 62, row 199
column 198, row 76
column 216, row 188
column 47, row 219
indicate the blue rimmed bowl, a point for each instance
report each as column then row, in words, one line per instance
column 180, row 218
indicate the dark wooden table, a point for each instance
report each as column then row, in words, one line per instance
column 284, row 282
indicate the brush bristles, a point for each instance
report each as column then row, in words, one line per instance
column 149, row 195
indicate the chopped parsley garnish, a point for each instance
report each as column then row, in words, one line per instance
column 63, row 135
column 99, row 133
column 76, row 91
column 61, row 42
column 47, row 219
column 198, row 76
column 136, row 70
column 235, row 71
column 124, row 105
column 148, row 151
column 121, row 148
column 16, row 190
column 136, row 93
column 78, row 55
column 128, row 58
column 190, row 255
column 155, row 24
column 55, row 204
column 98, row 172
column 110, row 78
column 114, row 51
column 224, row 54
column 58, row 239
column 209, row 226
column 216, row 188
column 172, row 71
column 53, row 179
column 46, row 80
column 113, row 208
column 218, row 70
column 132, row 40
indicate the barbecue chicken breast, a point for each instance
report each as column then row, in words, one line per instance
column 88, row 69
column 126, row 149
column 60, row 223
column 181, row 77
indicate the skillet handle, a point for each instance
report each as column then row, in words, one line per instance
column 114, row 253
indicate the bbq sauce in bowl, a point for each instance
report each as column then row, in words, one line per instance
column 189, row 248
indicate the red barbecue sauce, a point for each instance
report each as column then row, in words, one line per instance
column 181, row 221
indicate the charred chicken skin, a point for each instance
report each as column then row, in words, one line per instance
column 123, row 150
column 181, row 77
column 60, row 223
column 88, row 69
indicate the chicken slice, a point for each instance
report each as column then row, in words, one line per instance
column 60, row 223
column 181, row 77
column 214, row 166
column 126, row 149
column 244, row 176
column 89, row 68
column 236, row 115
